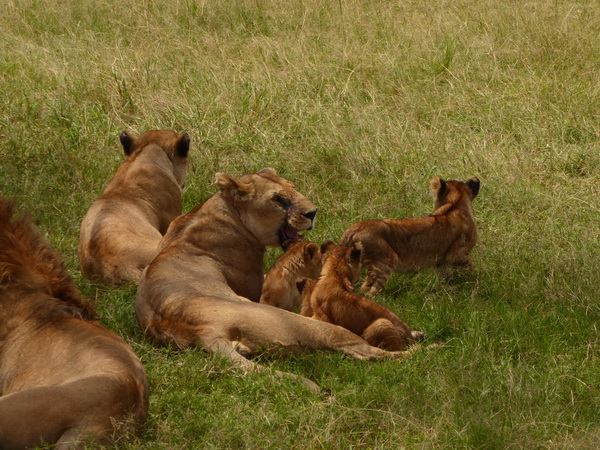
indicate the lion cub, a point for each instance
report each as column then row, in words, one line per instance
column 122, row 229
column 443, row 239
column 300, row 259
column 332, row 299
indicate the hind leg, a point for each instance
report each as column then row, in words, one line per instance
column 384, row 334
column 378, row 273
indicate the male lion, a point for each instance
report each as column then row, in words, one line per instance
column 196, row 291
column 123, row 227
column 300, row 259
column 64, row 379
column 445, row 238
column 332, row 299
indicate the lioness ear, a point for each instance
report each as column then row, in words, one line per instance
column 311, row 250
column 473, row 184
column 126, row 142
column 438, row 187
column 183, row 145
column 237, row 191
column 326, row 246
column 301, row 284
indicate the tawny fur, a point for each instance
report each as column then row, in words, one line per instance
column 122, row 229
column 443, row 239
column 300, row 259
column 64, row 379
column 201, row 288
column 332, row 299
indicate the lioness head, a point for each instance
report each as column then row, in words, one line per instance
column 176, row 146
column 452, row 191
column 268, row 205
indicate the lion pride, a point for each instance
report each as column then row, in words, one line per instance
column 64, row 378
column 202, row 287
column 332, row 299
column 123, row 227
column 444, row 238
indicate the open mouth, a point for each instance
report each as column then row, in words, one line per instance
column 287, row 232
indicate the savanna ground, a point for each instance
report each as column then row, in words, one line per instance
column 360, row 103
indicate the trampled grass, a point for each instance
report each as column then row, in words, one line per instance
column 360, row 103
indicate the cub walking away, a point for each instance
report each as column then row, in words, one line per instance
column 443, row 239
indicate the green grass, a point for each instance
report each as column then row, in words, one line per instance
column 360, row 103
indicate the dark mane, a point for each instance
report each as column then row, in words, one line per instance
column 27, row 262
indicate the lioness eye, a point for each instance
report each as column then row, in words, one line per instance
column 284, row 203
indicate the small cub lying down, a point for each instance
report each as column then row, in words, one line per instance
column 300, row 259
column 444, row 238
column 332, row 299
column 122, row 229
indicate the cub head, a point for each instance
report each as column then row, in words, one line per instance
column 176, row 147
column 268, row 206
column 342, row 261
column 452, row 191
column 303, row 258
column 305, row 287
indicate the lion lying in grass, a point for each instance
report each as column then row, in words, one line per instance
column 332, row 299
column 443, row 239
column 300, row 259
column 201, row 288
column 64, row 379
column 123, row 227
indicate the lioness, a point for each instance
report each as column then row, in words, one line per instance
column 445, row 238
column 123, row 227
column 300, row 259
column 64, row 378
column 332, row 299
column 196, row 291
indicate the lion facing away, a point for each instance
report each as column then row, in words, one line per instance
column 332, row 299
column 300, row 259
column 443, row 239
column 201, row 289
column 64, row 379
column 123, row 227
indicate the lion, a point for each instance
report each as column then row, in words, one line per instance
column 122, row 229
column 332, row 299
column 64, row 378
column 300, row 259
column 202, row 288
column 443, row 239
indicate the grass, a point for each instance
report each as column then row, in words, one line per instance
column 360, row 104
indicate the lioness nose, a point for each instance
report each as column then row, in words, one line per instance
column 311, row 215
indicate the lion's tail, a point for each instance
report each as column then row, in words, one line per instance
column 28, row 261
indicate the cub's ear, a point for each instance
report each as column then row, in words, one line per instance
column 473, row 184
column 301, row 284
column 127, row 142
column 355, row 252
column 311, row 250
column 234, row 189
column 182, row 147
column 327, row 245
column 438, row 187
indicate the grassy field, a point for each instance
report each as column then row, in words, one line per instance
column 360, row 103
